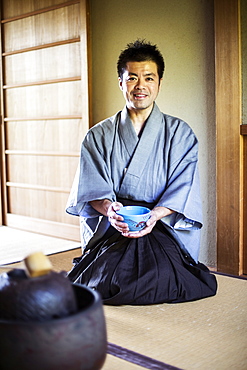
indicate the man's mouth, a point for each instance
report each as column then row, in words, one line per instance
column 140, row 96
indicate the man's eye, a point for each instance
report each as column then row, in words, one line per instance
column 131, row 78
column 150, row 79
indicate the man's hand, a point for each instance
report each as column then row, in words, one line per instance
column 116, row 220
column 108, row 208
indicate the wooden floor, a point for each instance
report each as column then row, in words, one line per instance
column 16, row 244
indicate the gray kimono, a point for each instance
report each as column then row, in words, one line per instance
column 160, row 167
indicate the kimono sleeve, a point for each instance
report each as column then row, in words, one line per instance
column 93, row 178
column 182, row 192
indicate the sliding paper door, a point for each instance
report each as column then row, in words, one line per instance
column 45, row 111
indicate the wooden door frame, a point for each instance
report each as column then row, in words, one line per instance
column 3, row 205
column 229, row 141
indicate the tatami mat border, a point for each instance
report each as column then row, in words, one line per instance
column 243, row 277
column 137, row 358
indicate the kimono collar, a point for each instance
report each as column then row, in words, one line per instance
column 143, row 148
column 150, row 131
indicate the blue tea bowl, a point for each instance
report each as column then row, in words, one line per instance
column 135, row 216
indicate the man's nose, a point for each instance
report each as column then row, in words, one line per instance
column 140, row 83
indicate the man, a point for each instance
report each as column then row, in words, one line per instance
column 140, row 156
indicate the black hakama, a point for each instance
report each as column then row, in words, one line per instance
column 148, row 270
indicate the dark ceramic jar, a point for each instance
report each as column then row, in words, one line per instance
column 38, row 298
column 75, row 342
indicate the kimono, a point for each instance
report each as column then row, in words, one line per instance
column 159, row 168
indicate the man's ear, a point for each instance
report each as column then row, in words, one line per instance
column 120, row 83
column 160, row 83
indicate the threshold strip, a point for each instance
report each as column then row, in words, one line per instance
column 137, row 358
column 243, row 277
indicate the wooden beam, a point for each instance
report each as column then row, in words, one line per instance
column 43, row 82
column 40, row 11
column 3, row 191
column 38, row 187
column 245, row 206
column 43, row 46
column 45, row 118
column 86, row 63
column 243, row 130
column 229, row 142
column 42, row 153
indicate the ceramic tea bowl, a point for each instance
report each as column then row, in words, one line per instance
column 135, row 216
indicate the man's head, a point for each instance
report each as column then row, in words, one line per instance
column 140, row 71
column 140, row 51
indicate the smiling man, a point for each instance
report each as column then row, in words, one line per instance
column 140, row 84
column 140, row 156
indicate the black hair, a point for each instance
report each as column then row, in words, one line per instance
column 140, row 51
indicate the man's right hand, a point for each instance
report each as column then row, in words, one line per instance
column 116, row 220
column 108, row 208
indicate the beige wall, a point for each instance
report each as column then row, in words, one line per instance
column 183, row 31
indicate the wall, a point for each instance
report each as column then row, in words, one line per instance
column 184, row 32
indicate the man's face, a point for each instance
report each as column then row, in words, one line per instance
column 140, row 85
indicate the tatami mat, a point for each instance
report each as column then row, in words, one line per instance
column 205, row 334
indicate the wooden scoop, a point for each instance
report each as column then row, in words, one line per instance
column 37, row 264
